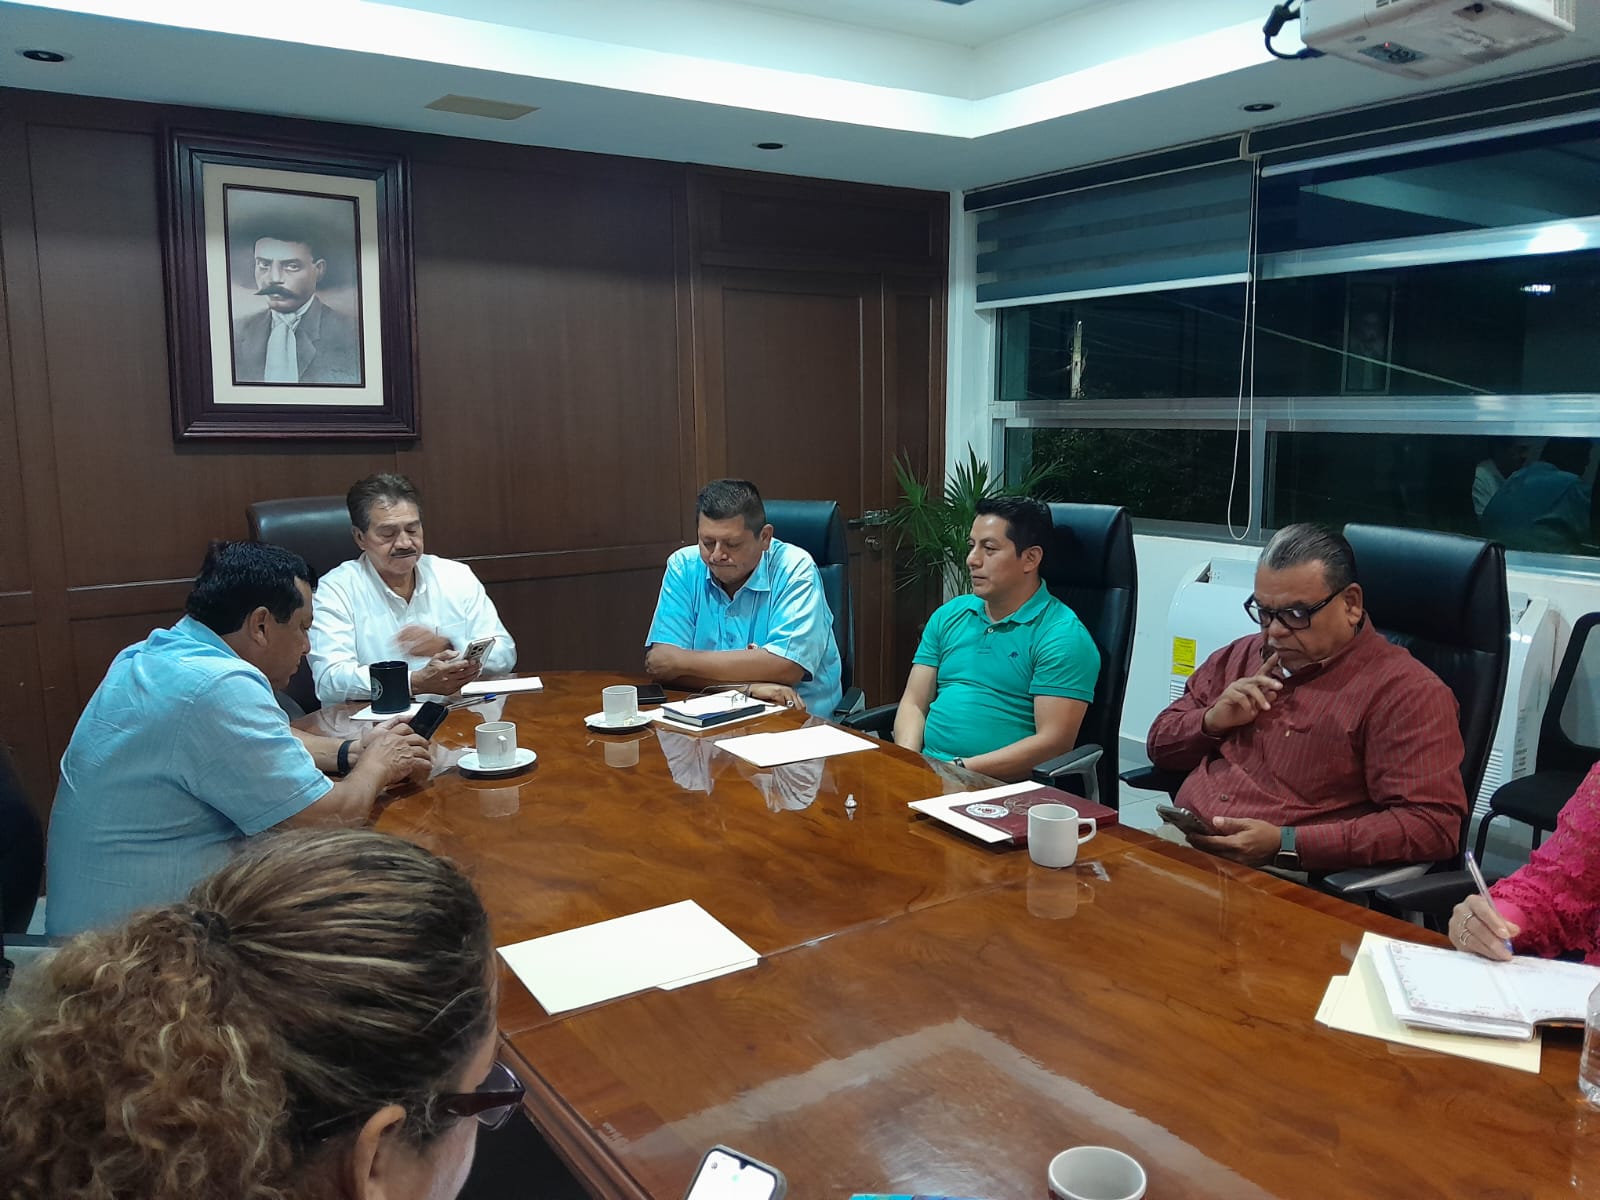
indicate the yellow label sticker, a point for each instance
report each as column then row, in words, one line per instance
column 1183, row 656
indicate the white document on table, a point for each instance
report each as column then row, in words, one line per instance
column 499, row 687
column 1356, row 1003
column 366, row 714
column 795, row 745
column 662, row 717
column 942, row 808
column 662, row 947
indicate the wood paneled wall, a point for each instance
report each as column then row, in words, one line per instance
column 572, row 394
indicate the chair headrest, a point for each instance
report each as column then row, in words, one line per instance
column 1443, row 588
column 816, row 526
column 317, row 528
column 1092, row 546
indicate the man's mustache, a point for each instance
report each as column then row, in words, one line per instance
column 275, row 289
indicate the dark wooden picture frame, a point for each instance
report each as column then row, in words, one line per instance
column 247, row 216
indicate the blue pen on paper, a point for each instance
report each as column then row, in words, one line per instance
column 1483, row 889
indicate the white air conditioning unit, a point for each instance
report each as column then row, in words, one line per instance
column 1423, row 39
column 1207, row 613
column 1528, row 679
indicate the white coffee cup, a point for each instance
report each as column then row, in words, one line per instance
column 1054, row 834
column 621, row 703
column 497, row 744
column 1095, row 1173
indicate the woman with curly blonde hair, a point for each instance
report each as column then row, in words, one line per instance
column 315, row 1020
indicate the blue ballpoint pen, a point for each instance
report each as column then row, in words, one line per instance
column 1483, row 889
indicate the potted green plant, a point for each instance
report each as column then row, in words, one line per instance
column 932, row 525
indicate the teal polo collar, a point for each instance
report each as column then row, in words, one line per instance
column 1025, row 615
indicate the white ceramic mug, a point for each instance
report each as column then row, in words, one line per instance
column 1095, row 1173
column 621, row 703
column 497, row 744
column 1054, row 834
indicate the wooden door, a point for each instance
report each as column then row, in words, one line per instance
column 794, row 395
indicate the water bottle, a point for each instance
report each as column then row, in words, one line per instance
column 1589, row 1065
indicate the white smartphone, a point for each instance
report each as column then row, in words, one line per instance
column 477, row 648
column 726, row 1174
column 1182, row 818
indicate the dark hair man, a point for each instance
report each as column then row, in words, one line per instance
column 1545, row 506
column 395, row 602
column 183, row 751
column 1002, row 677
column 1316, row 744
column 296, row 339
column 742, row 607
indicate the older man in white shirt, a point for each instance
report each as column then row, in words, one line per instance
column 395, row 602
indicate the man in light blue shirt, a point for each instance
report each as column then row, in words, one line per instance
column 741, row 607
column 1545, row 506
column 183, row 751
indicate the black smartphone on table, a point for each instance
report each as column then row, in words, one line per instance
column 652, row 693
column 428, row 718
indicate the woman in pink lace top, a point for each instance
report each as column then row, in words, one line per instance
column 1552, row 905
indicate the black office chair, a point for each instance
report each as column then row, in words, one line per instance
column 317, row 528
column 1560, row 764
column 1089, row 566
column 21, row 863
column 1442, row 596
column 1561, row 761
column 817, row 527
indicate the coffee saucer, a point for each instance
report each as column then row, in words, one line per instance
column 597, row 722
column 468, row 763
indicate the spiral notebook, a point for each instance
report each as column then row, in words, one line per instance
column 1434, row 988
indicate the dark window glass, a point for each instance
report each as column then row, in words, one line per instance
column 1148, row 345
column 1505, row 326
column 1158, row 474
column 1525, row 180
column 1527, row 493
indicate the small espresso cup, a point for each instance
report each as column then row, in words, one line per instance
column 391, row 686
column 497, row 744
column 621, row 704
column 1095, row 1173
column 1054, row 834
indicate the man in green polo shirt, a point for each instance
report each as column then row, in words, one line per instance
column 1002, row 677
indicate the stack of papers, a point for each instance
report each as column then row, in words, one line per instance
column 665, row 947
column 1463, row 993
column 663, row 717
column 795, row 745
column 499, row 687
column 1357, row 1003
column 715, row 709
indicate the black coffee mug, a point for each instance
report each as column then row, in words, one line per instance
column 391, row 687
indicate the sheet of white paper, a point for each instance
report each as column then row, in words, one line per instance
column 497, row 687
column 795, row 745
column 673, row 985
column 942, row 808
column 1356, row 1003
column 701, row 706
column 677, row 942
column 661, row 717
column 366, row 714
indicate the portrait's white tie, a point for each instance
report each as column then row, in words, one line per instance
column 283, row 356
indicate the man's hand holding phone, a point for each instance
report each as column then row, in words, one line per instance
column 405, row 754
column 1244, row 700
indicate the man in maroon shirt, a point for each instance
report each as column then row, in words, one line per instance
column 1315, row 744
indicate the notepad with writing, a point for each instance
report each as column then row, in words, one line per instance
column 999, row 815
column 1435, row 988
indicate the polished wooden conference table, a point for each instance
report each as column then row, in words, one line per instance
column 934, row 1016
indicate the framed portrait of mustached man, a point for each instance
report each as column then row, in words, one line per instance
column 289, row 291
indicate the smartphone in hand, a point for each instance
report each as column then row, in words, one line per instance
column 477, row 648
column 726, row 1174
column 1183, row 819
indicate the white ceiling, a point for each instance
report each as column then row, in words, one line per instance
column 910, row 92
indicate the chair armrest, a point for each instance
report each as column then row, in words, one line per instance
column 878, row 720
column 854, row 701
column 1078, row 763
column 1365, row 879
column 1432, row 895
column 1154, row 779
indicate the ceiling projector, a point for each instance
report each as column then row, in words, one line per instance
column 1423, row 39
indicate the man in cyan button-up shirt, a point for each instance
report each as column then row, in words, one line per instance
column 741, row 607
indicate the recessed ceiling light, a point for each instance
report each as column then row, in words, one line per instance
column 44, row 56
column 1260, row 106
column 769, row 145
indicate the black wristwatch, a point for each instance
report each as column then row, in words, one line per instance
column 1287, row 857
column 960, row 762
